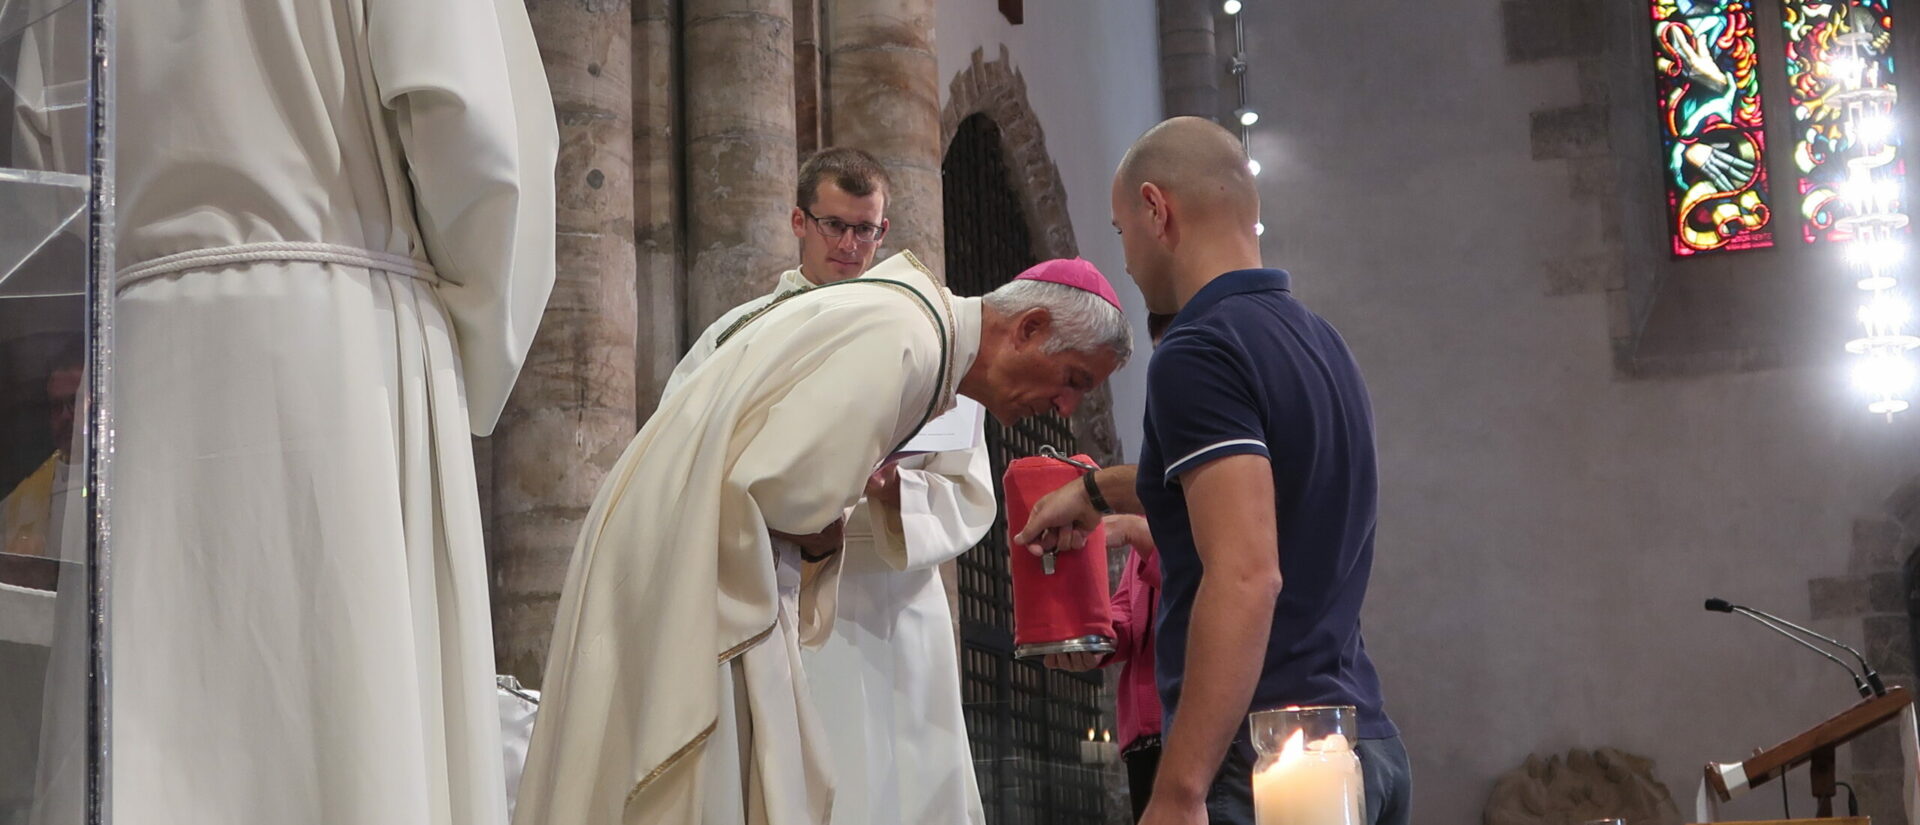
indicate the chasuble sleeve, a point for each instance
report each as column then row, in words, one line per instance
column 470, row 104
column 824, row 433
column 946, row 506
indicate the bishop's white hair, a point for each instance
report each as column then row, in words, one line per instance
column 1082, row 321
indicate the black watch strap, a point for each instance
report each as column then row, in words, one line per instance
column 1093, row 494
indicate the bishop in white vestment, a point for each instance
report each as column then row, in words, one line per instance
column 886, row 679
column 673, row 693
column 336, row 228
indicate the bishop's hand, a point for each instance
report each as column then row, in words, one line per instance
column 820, row 546
column 884, row 485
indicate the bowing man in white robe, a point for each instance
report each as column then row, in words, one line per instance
column 336, row 228
column 886, row 680
column 673, row 693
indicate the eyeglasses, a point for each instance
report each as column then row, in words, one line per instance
column 834, row 228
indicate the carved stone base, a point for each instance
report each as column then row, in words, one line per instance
column 1587, row 785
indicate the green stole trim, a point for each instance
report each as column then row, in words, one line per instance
column 932, row 315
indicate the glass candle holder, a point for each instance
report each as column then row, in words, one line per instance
column 1308, row 772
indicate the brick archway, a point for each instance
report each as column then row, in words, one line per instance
column 996, row 89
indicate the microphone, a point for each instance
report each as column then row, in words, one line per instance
column 1867, row 687
column 1873, row 677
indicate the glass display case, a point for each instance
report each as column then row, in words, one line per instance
column 55, row 440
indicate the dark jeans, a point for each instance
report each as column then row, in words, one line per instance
column 1142, row 764
column 1383, row 764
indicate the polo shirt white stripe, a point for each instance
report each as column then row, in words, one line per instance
column 1173, row 469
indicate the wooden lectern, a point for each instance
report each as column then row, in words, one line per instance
column 1816, row 746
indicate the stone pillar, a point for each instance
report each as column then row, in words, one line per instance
column 806, row 75
column 658, row 225
column 572, row 412
column 740, row 158
column 1189, row 68
column 883, row 93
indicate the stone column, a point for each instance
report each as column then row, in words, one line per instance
column 572, row 412
column 806, row 75
column 659, row 227
column 1189, row 68
column 740, row 157
column 883, row 93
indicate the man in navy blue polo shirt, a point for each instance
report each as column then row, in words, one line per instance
column 1258, row 479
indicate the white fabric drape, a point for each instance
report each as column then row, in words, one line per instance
column 301, row 628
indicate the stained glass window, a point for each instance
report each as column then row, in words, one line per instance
column 1834, row 48
column 1714, row 147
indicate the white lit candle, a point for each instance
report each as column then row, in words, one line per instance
column 1100, row 751
column 1310, row 783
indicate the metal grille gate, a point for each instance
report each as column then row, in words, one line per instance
column 1025, row 722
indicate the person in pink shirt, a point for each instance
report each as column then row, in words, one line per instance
column 1138, row 701
column 1135, row 603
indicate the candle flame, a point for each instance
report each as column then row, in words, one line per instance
column 1089, row 734
column 1294, row 748
column 1106, row 736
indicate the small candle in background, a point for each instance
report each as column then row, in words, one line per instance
column 1101, row 751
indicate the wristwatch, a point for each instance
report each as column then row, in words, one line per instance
column 1093, row 494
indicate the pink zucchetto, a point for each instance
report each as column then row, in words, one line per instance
column 1073, row 272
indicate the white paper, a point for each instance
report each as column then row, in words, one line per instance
column 1706, row 806
column 1910, row 751
column 957, row 429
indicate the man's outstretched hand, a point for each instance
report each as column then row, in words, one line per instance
column 1060, row 521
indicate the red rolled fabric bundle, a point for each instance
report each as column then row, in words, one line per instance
column 1066, row 611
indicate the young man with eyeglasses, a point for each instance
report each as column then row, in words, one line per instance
column 885, row 681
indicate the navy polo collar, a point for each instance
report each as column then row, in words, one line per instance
column 1233, row 283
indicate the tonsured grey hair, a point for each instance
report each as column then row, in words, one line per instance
column 1082, row 321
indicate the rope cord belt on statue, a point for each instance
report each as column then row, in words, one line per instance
column 276, row 252
column 946, row 356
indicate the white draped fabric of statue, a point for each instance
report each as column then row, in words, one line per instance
column 336, row 241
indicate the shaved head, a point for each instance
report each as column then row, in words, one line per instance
column 1199, row 164
column 1184, row 201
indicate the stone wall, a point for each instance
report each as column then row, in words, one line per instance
column 1561, row 489
column 1872, row 603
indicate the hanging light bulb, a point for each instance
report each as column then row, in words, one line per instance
column 1253, row 166
column 1885, row 314
column 1884, row 375
column 1875, row 129
column 1870, row 195
column 1847, row 70
column 1876, row 255
column 1246, row 116
column 1231, row 6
